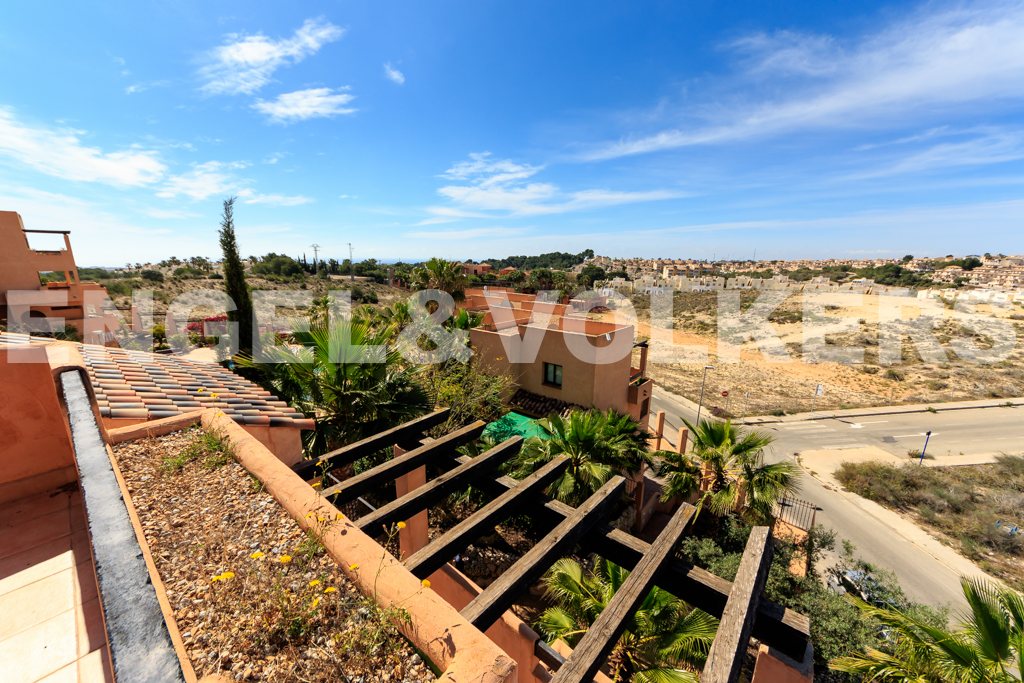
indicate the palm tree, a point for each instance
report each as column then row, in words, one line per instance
column 396, row 315
column 989, row 648
column 665, row 640
column 446, row 276
column 727, row 466
column 597, row 444
column 350, row 398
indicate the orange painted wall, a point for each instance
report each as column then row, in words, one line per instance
column 35, row 444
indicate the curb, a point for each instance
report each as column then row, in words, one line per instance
column 834, row 415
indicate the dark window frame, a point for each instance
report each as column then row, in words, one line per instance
column 555, row 373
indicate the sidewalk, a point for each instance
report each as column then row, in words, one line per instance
column 884, row 410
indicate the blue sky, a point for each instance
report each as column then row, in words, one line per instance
column 476, row 129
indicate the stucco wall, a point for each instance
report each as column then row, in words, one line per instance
column 35, row 445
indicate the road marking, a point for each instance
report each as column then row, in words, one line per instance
column 860, row 425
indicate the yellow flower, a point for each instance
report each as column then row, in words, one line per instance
column 314, row 582
column 426, row 584
column 316, row 485
column 214, row 395
column 340, row 516
column 315, row 603
column 216, row 578
column 401, row 525
column 330, row 590
column 220, row 414
column 353, row 567
column 320, row 519
column 200, row 390
column 256, row 555
column 308, row 515
column 286, row 559
column 227, row 575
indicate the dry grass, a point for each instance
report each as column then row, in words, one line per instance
column 254, row 596
column 962, row 503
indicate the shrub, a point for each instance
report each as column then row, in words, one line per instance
column 153, row 275
column 67, row 333
column 894, row 374
column 159, row 333
column 216, row 276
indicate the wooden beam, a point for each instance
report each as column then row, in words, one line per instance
column 730, row 645
column 436, row 490
column 590, row 653
column 782, row 628
column 350, row 489
column 434, row 556
column 488, row 607
column 307, row 469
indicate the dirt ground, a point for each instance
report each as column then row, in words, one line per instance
column 791, row 386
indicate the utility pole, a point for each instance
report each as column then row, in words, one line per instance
column 701, row 402
column 351, row 265
column 927, row 436
column 316, row 259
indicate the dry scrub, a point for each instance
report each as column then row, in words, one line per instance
column 254, row 596
column 963, row 503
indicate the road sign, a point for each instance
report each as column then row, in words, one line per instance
column 725, row 394
column 820, row 391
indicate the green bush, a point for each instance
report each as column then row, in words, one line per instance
column 153, row 275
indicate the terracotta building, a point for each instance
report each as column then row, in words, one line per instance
column 578, row 362
column 34, row 307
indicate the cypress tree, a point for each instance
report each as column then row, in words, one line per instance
column 234, row 279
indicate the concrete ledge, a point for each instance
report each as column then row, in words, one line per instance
column 158, row 584
column 452, row 643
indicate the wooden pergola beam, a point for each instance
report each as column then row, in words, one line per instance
column 730, row 645
column 350, row 489
column 434, row 491
column 307, row 469
column 488, row 607
column 590, row 653
column 432, row 557
column 782, row 628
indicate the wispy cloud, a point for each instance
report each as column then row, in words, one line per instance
column 393, row 74
column 467, row 234
column 140, row 87
column 59, row 152
column 170, row 213
column 928, row 63
column 499, row 186
column 205, row 180
column 273, row 199
column 244, row 64
column 306, row 104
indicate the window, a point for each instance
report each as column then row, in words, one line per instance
column 553, row 375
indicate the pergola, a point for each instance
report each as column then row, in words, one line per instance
column 740, row 605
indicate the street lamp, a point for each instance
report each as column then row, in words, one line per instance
column 701, row 402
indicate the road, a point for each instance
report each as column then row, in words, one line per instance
column 923, row 577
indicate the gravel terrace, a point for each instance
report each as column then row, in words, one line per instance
column 253, row 596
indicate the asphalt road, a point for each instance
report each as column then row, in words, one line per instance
column 924, row 578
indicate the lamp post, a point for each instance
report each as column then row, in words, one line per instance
column 927, row 436
column 701, row 402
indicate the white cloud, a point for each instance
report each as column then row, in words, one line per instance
column 245, row 64
column 273, row 199
column 205, row 180
column 306, row 104
column 960, row 57
column 59, row 152
column 393, row 74
column 496, row 185
column 139, row 87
